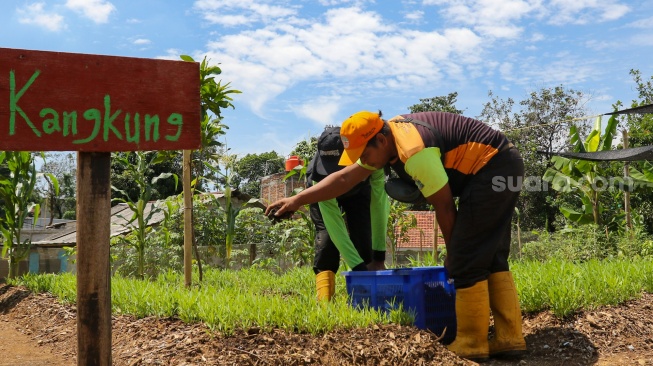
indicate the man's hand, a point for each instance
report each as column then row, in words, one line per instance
column 275, row 218
column 376, row 266
column 281, row 209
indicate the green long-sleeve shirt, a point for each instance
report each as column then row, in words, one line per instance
column 337, row 229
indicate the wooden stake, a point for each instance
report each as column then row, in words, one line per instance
column 629, row 223
column 188, row 223
column 93, row 269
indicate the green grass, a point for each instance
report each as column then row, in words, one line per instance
column 230, row 300
column 565, row 288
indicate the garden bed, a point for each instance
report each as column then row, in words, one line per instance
column 620, row 335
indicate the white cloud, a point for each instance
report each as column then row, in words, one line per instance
column 435, row 2
column 142, row 41
column 36, row 14
column 494, row 18
column 238, row 12
column 642, row 23
column 227, row 20
column 352, row 54
column 586, row 11
column 600, row 45
column 567, row 69
column 349, row 43
column 414, row 16
column 507, row 71
column 603, row 97
column 96, row 10
column 321, row 110
column 501, row 18
column 342, row 2
column 642, row 40
column 536, row 37
column 171, row 54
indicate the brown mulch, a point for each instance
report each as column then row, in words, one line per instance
column 619, row 335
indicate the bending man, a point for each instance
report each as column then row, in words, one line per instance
column 448, row 155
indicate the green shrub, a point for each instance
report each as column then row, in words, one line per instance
column 584, row 243
column 159, row 256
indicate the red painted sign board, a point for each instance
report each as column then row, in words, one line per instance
column 55, row 101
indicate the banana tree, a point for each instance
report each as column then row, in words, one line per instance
column 643, row 177
column 582, row 177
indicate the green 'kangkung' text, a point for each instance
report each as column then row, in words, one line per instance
column 65, row 122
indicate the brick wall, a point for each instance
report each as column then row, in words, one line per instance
column 273, row 187
column 425, row 224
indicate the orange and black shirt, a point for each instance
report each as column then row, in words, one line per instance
column 455, row 149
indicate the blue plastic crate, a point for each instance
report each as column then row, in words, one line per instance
column 425, row 290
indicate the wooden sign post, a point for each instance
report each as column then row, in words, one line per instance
column 52, row 101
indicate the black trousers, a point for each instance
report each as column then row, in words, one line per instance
column 480, row 241
column 356, row 208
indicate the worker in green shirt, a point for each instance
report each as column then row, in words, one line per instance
column 352, row 225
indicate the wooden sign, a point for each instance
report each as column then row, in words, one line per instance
column 54, row 101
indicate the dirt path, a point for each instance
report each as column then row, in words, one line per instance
column 37, row 330
column 17, row 348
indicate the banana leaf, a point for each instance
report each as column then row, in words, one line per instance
column 577, row 217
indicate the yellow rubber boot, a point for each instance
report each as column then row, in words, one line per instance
column 504, row 302
column 332, row 286
column 473, row 320
column 325, row 282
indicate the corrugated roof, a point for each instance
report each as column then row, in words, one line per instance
column 120, row 216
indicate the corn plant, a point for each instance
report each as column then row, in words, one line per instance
column 139, row 221
column 231, row 210
column 16, row 191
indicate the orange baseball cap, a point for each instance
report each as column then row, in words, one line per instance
column 355, row 132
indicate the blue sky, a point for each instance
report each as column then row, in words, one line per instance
column 304, row 64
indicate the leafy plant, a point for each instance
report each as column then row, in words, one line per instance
column 62, row 199
column 296, row 238
column 139, row 221
column 16, row 194
column 214, row 97
column 253, row 228
column 582, row 177
column 399, row 224
column 231, row 210
column 426, row 259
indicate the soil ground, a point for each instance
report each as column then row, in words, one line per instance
column 37, row 330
